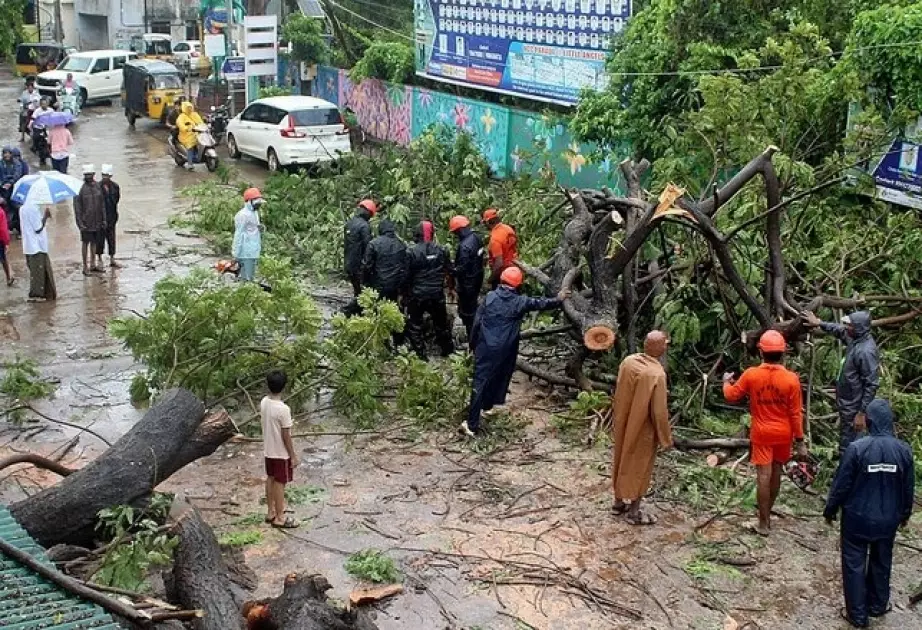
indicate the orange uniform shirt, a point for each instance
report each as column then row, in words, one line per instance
column 774, row 402
column 503, row 243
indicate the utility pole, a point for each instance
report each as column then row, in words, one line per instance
column 58, row 23
column 229, row 28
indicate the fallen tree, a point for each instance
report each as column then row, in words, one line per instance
column 173, row 433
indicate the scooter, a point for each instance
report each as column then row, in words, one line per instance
column 40, row 145
column 217, row 121
column 69, row 99
column 206, row 149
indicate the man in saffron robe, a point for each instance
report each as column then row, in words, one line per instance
column 640, row 423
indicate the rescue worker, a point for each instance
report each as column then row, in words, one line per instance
column 467, row 271
column 495, row 342
column 777, row 418
column 385, row 264
column 640, row 423
column 874, row 488
column 248, row 229
column 428, row 265
column 502, row 249
column 859, row 376
column 186, row 122
column 356, row 239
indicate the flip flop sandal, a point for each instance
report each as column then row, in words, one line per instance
column 854, row 624
column 641, row 519
column 11, row 282
column 289, row 523
column 268, row 519
column 618, row 510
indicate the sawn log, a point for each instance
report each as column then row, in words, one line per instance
column 173, row 433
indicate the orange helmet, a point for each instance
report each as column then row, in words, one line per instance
column 490, row 213
column 458, row 222
column 369, row 205
column 772, row 341
column 252, row 193
column 512, row 276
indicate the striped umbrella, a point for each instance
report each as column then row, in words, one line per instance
column 45, row 187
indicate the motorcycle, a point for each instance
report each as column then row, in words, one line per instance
column 206, row 149
column 69, row 98
column 40, row 146
column 217, row 121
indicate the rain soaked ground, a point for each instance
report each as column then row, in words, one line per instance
column 517, row 539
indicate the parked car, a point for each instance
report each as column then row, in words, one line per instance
column 189, row 57
column 97, row 72
column 288, row 130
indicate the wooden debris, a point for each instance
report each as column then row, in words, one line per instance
column 363, row 596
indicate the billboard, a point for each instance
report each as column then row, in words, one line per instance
column 547, row 50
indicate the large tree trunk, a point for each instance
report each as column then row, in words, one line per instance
column 201, row 579
column 303, row 606
column 173, row 433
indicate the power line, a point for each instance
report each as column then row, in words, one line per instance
column 372, row 22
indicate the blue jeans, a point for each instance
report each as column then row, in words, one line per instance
column 192, row 155
column 247, row 269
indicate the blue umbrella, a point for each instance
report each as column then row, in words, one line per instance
column 45, row 187
column 55, row 119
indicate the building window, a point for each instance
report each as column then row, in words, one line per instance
column 160, row 27
column 192, row 31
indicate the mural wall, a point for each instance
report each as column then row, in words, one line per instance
column 512, row 140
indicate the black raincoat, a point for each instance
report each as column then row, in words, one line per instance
column 427, row 266
column 385, row 262
column 468, row 266
column 356, row 239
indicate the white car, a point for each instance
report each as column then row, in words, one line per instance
column 289, row 130
column 97, row 72
column 187, row 55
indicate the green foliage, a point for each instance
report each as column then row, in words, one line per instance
column 305, row 35
column 434, row 395
column 22, row 381
column 388, row 61
column 241, row 538
column 139, row 543
column 11, row 12
column 588, row 406
column 253, row 518
column 213, row 337
column 274, row 90
column 358, row 347
column 706, row 489
column 139, row 390
column 304, row 495
column 372, row 565
column 497, row 431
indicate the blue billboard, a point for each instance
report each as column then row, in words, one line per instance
column 547, row 50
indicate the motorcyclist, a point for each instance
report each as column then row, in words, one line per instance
column 68, row 95
column 39, row 137
column 175, row 111
column 187, row 121
column 28, row 102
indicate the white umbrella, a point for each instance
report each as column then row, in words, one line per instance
column 45, row 187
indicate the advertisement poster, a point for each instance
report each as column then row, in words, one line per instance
column 547, row 50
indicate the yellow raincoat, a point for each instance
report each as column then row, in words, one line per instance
column 186, row 122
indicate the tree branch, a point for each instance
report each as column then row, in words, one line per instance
column 36, row 460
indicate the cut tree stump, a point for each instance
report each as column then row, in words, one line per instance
column 173, row 433
column 303, row 606
column 200, row 578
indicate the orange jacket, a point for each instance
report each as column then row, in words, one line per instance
column 503, row 243
column 774, row 402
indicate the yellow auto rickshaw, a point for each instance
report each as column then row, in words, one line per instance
column 36, row 57
column 148, row 89
column 153, row 46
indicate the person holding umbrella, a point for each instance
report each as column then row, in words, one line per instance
column 62, row 142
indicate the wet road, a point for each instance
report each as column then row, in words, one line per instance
column 68, row 337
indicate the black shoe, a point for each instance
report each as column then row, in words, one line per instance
column 881, row 613
column 854, row 624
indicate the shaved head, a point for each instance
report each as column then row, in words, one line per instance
column 655, row 343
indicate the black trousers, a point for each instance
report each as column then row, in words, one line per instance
column 467, row 307
column 847, row 433
column 106, row 239
column 866, row 566
column 417, row 309
column 353, row 308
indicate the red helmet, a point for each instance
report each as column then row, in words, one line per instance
column 772, row 341
column 369, row 205
column 252, row 193
column 512, row 276
column 490, row 213
column 458, row 222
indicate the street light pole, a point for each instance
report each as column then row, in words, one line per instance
column 58, row 23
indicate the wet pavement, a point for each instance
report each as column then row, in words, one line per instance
column 537, row 502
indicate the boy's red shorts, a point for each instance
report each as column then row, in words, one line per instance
column 279, row 469
column 765, row 454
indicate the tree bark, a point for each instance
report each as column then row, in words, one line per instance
column 729, row 443
column 173, row 433
column 201, row 578
column 303, row 606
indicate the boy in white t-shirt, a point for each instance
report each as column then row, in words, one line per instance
column 281, row 459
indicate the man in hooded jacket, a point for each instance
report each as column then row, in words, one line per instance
column 385, row 264
column 428, row 265
column 859, row 377
column 874, row 488
column 356, row 239
column 495, row 342
column 467, row 270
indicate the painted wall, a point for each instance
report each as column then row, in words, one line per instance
column 68, row 19
column 512, row 140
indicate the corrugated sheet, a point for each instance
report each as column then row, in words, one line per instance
column 29, row 602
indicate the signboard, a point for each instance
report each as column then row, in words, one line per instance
column 261, row 45
column 234, row 68
column 215, row 46
column 895, row 168
column 547, row 50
